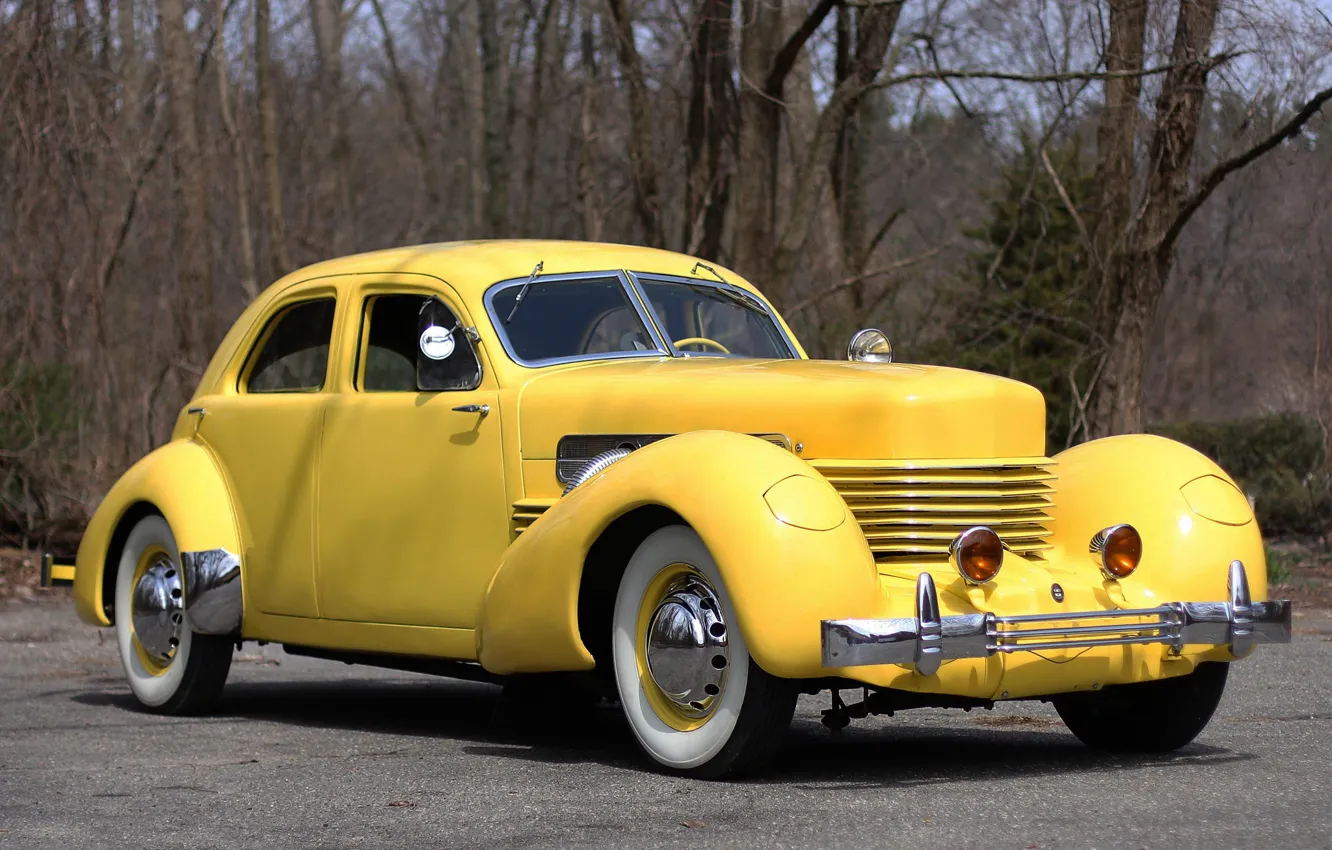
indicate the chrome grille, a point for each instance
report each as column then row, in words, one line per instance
column 576, row 450
column 911, row 510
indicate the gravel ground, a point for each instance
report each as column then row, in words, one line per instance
column 304, row 753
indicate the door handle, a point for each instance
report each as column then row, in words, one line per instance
column 483, row 409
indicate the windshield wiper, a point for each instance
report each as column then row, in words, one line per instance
column 739, row 296
column 522, row 293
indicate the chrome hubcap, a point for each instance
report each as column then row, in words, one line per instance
column 688, row 653
column 158, row 609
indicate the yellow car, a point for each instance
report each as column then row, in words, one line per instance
column 496, row 459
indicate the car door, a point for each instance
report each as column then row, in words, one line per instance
column 413, row 514
column 264, row 431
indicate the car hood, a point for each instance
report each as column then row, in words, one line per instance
column 835, row 409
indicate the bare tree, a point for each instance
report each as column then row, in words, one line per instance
column 711, row 132
column 328, row 20
column 280, row 260
column 250, row 277
column 642, row 157
column 1141, row 252
column 194, row 295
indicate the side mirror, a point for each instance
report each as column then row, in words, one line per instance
column 445, row 359
column 870, row 346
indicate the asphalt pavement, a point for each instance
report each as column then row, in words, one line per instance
column 305, row 753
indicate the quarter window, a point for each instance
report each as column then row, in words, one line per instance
column 293, row 356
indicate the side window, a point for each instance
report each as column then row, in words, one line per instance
column 414, row 343
column 293, row 353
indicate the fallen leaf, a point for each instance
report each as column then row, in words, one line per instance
column 694, row 824
column 401, row 804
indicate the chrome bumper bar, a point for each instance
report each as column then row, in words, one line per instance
column 928, row 639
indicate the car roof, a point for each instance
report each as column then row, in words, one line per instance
column 472, row 267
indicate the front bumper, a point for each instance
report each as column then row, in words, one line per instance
column 929, row 639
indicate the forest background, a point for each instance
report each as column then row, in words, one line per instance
column 1125, row 202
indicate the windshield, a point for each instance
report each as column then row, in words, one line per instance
column 711, row 320
column 561, row 318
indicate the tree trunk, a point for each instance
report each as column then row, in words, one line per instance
column 1136, row 274
column 249, row 276
column 279, row 259
column 642, row 155
column 535, row 110
column 194, row 296
column 1118, row 130
column 757, row 144
column 711, row 125
column 876, row 26
column 847, row 171
column 474, row 98
column 334, row 190
column 589, row 192
column 765, row 61
column 429, row 170
column 131, row 73
column 496, row 143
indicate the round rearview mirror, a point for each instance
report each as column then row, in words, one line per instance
column 870, row 346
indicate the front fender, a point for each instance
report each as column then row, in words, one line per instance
column 782, row 579
column 1140, row 479
column 179, row 480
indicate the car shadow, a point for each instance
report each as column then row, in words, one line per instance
column 896, row 753
column 901, row 753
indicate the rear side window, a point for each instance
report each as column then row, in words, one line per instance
column 293, row 351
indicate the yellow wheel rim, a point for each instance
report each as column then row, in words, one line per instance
column 662, row 705
column 147, row 558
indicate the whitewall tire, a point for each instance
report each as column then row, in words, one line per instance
column 170, row 668
column 695, row 700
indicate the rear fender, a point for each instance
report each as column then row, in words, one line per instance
column 1189, row 534
column 782, row 579
column 180, row 481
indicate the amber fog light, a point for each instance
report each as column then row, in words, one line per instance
column 1116, row 550
column 977, row 554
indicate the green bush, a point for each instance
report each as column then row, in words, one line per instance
column 1027, row 313
column 40, row 409
column 1279, row 460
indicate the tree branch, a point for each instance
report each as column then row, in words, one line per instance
column 1224, row 169
column 1065, row 76
column 810, row 301
column 1068, row 202
column 786, row 57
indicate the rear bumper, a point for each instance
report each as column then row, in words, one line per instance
column 929, row 639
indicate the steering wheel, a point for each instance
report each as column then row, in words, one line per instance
column 703, row 341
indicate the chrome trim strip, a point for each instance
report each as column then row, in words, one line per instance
column 630, row 293
column 213, row 600
column 569, row 462
column 927, row 639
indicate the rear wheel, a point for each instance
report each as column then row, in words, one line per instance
column 170, row 668
column 695, row 700
column 1150, row 717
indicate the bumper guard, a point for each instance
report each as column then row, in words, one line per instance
column 929, row 639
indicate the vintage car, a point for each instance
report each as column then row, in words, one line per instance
column 502, row 459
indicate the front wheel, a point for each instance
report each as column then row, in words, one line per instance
column 171, row 669
column 695, row 700
column 1149, row 717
